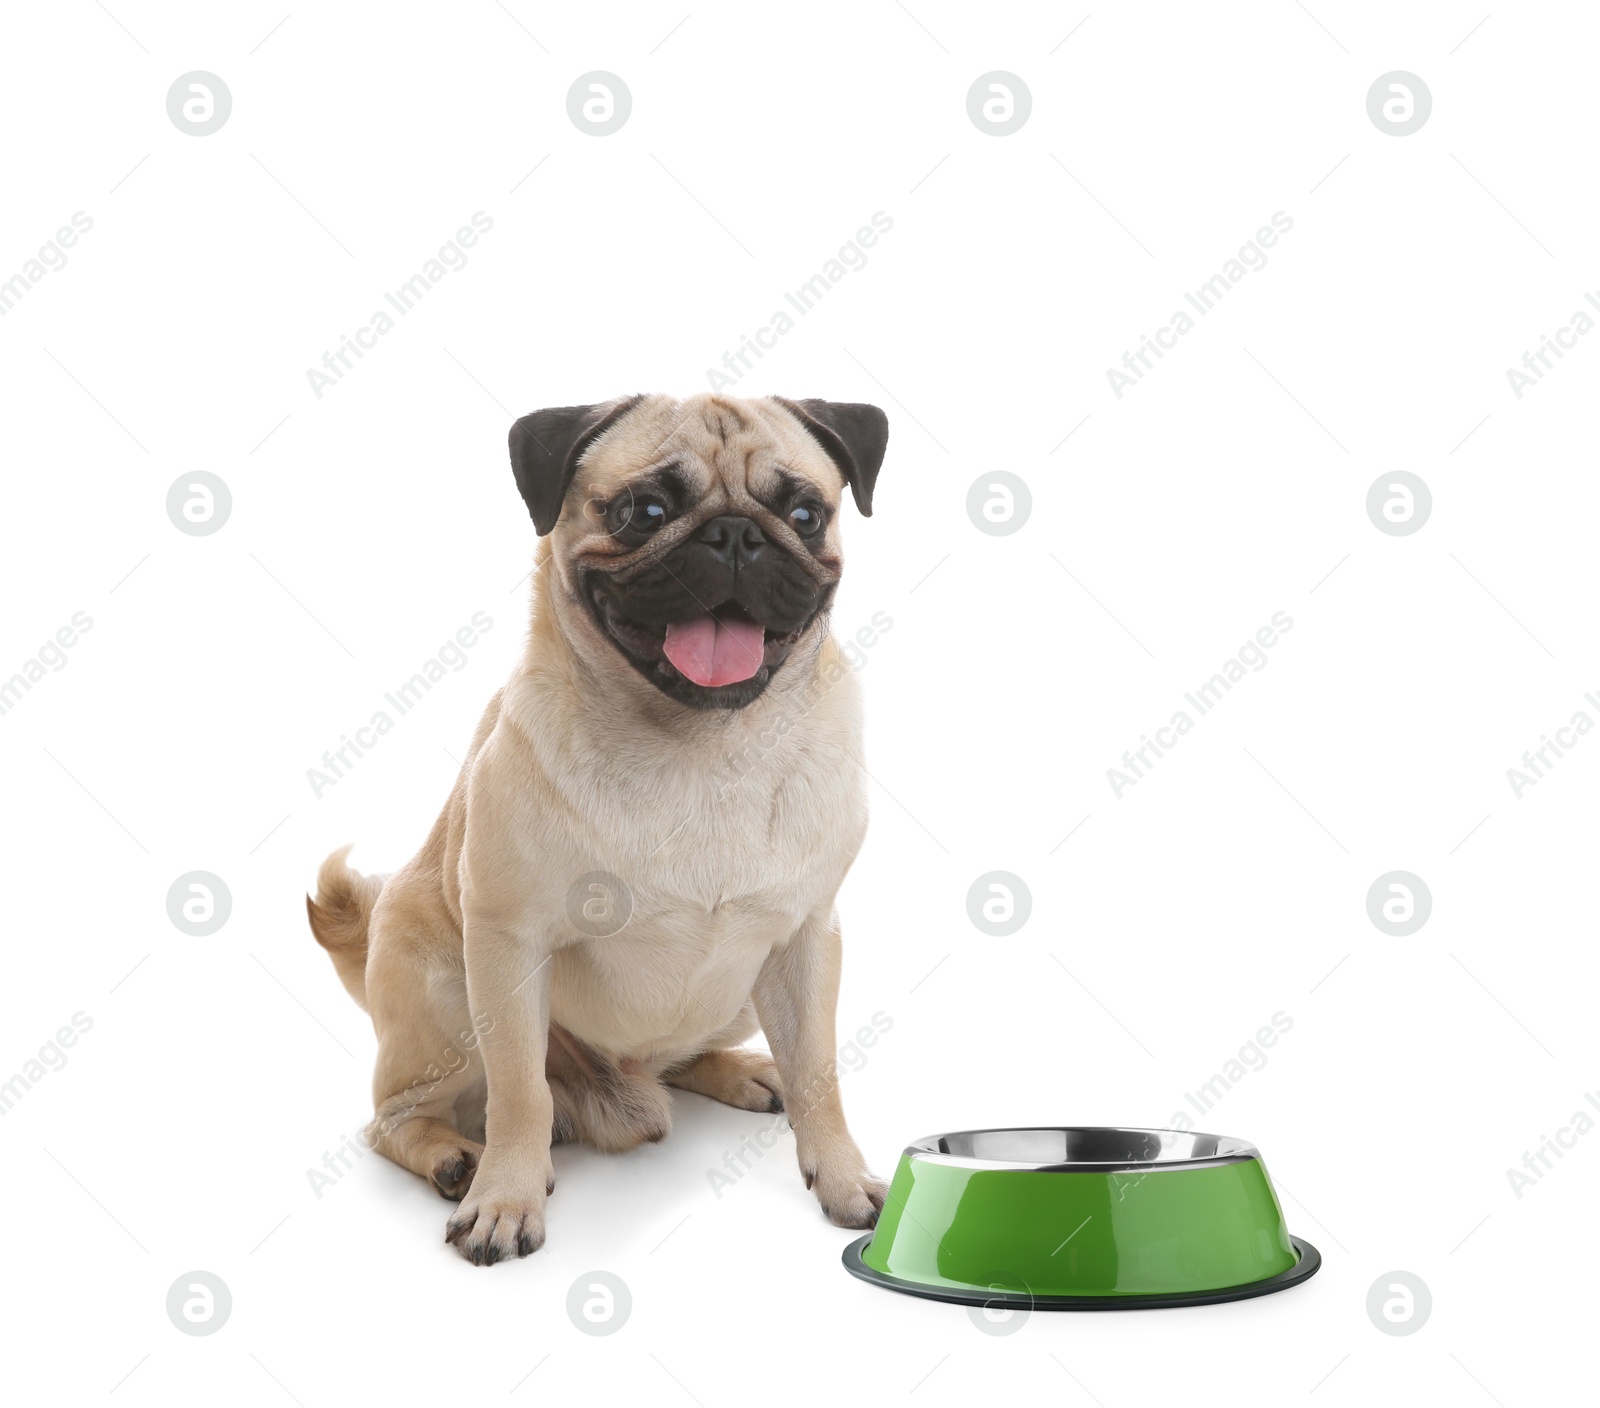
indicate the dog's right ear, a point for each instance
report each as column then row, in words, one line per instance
column 546, row 447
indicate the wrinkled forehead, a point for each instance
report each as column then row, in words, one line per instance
column 747, row 449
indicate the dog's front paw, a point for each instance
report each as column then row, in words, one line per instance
column 851, row 1197
column 500, row 1217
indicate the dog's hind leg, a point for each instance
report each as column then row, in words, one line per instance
column 433, row 1148
column 747, row 1080
column 419, row 1123
column 608, row 1106
column 428, row 1086
column 726, row 1071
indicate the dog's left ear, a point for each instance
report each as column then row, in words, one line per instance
column 854, row 435
column 546, row 447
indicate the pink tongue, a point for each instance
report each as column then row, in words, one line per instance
column 713, row 652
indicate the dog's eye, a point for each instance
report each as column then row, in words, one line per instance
column 638, row 515
column 806, row 519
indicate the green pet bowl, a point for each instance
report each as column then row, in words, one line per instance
column 1082, row 1219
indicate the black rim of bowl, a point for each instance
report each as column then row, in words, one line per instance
column 1303, row 1270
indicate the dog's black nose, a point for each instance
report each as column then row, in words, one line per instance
column 733, row 541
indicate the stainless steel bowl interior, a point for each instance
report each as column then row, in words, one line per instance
column 1084, row 1149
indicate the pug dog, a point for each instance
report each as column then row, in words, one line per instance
column 605, row 908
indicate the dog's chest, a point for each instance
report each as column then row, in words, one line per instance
column 752, row 823
column 734, row 877
column 720, row 849
column 763, row 841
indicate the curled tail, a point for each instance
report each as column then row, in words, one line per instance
column 339, row 916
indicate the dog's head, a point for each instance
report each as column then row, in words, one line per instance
column 700, row 538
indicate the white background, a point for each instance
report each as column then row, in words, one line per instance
column 369, row 525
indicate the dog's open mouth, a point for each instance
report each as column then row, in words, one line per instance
column 715, row 650
column 711, row 650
